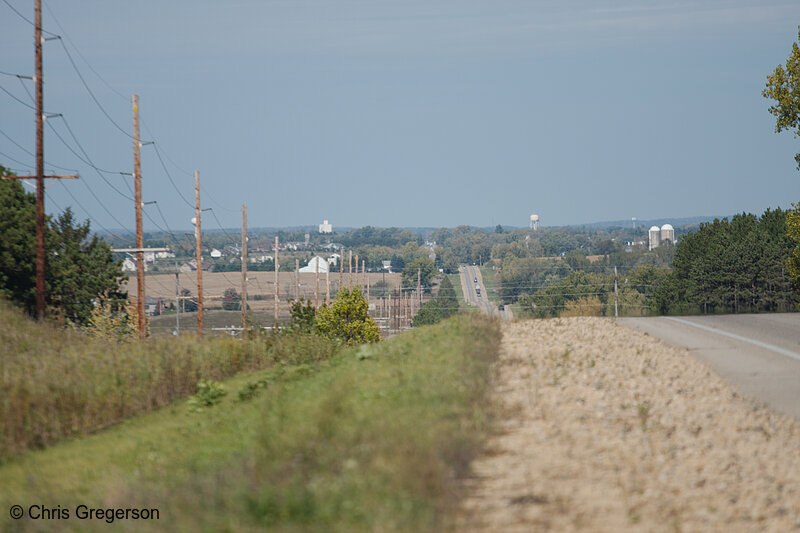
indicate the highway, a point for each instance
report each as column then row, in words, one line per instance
column 759, row 354
column 469, row 275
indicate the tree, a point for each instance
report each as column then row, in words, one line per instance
column 423, row 267
column 783, row 86
column 445, row 305
column 187, row 305
column 231, row 300
column 347, row 319
column 80, row 269
column 17, row 243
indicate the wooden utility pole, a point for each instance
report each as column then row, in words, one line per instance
column 350, row 280
column 296, row 279
column 316, row 286
column 328, row 286
column 198, row 238
column 616, row 295
column 244, row 268
column 177, row 301
column 341, row 269
column 137, row 178
column 419, row 285
column 39, row 177
column 277, row 267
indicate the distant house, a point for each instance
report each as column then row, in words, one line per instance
column 325, row 227
column 260, row 258
column 312, row 265
column 186, row 267
column 215, row 254
column 128, row 265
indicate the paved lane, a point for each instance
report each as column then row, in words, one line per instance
column 760, row 354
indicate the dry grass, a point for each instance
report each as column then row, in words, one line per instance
column 259, row 284
column 607, row 429
column 55, row 383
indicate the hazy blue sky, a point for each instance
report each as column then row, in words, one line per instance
column 413, row 113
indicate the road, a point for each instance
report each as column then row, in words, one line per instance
column 759, row 354
column 469, row 275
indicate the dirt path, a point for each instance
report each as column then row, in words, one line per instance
column 606, row 429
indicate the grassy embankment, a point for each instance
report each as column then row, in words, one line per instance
column 374, row 438
column 455, row 279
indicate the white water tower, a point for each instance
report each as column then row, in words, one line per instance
column 534, row 222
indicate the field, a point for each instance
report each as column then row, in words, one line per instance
column 376, row 438
column 606, row 429
column 260, row 288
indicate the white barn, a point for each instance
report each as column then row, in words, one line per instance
column 312, row 265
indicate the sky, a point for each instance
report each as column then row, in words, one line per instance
column 405, row 113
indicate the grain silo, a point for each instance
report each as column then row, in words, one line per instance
column 667, row 233
column 655, row 236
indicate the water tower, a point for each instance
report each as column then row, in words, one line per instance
column 534, row 222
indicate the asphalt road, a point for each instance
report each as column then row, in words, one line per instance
column 469, row 274
column 759, row 354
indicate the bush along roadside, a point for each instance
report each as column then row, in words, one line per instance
column 376, row 438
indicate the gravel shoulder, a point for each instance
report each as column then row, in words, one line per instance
column 603, row 428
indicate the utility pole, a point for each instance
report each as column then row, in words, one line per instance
column 277, row 267
column 341, row 269
column 177, row 301
column 419, row 285
column 296, row 279
column 40, row 177
column 616, row 296
column 316, row 287
column 350, row 280
column 244, row 268
column 328, row 286
column 137, row 178
column 198, row 238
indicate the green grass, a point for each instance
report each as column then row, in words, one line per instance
column 491, row 283
column 455, row 279
column 56, row 383
column 376, row 438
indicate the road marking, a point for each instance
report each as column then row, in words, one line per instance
column 774, row 348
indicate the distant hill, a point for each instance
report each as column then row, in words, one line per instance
column 676, row 222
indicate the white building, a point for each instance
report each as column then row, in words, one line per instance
column 667, row 234
column 655, row 237
column 128, row 265
column 312, row 265
column 659, row 236
column 325, row 227
column 216, row 254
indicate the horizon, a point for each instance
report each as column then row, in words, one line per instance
column 409, row 114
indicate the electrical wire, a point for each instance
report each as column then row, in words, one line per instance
column 87, row 161
column 89, row 90
column 12, row 95
column 15, row 143
column 26, row 19
column 122, row 239
column 66, row 36
column 158, row 154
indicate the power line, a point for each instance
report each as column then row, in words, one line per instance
column 123, row 239
column 66, row 36
column 158, row 153
column 89, row 90
column 12, row 95
column 19, row 76
column 15, row 143
column 23, row 17
column 87, row 160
